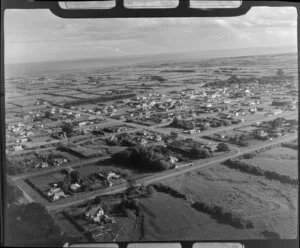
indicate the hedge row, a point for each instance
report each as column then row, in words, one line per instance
column 223, row 215
column 168, row 190
column 254, row 170
column 290, row 145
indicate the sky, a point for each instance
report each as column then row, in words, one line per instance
column 38, row 35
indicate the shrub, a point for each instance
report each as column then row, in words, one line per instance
column 223, row 147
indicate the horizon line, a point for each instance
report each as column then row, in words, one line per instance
column 155, row 54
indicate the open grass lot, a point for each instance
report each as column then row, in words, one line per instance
column 43, row 182
column 282, row 160
column 269, row 204
column 169, row 218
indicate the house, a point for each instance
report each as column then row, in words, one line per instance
column 52, row 191
column 173, row 159
column 18, row 148
column 58, row 195
column 94, row 213
column 55, row 193
column 24, row 140
column 276, row 111
column 42, row 165
column 112, row 175
column 59, row 161
column 29, row 134
column 75, row 186
column 81, row 124
column 192, row 131
column 261, row 133
column 143, row 142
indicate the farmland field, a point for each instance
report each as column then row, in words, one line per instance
column 169, row 218
column 269, row 204
column 282, row 160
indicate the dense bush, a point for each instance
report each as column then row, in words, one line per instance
column 141, row 157
column 168, row 190
column 190, row 148
column 291, row 145
column 221, row 214
column 131, row 204
column 249, row 155
column 178, row 123
column 30, row 223
column 222, row 147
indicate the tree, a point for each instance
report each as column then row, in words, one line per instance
column 226, row 122
column 205, row 153
column 97, row 200
column 68, row 129
column 277, row 123
column 74, row 176
column 48, row 114
column 280, row 72
column 222, row 147
column 13, row 194
column 150, row 190
column 106, row 207
column 30, row 223
column 293, row 122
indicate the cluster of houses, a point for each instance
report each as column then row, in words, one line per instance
column 266, row 131
column 140, row 137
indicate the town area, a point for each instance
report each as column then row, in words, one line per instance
column 209, row 146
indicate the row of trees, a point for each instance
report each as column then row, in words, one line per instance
column 103, row 98
column 255, row 170
column 17, row 167
column 168, row 190
column 223, row 215
column 190, row 148
column 141, row 157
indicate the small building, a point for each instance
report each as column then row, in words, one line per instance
column 57, row 195
column 81, row 124
column 143, row 142
column 276, row 111
column 94, row 213
column 24, row 140
column 18, row 148
column 43, row 165
column 173, row 160
column 75, row 186
column 112, row 175
column 59, row 161
column 261, row 133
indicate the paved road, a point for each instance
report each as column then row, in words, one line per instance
column 165, row 175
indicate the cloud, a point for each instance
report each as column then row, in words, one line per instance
column 30, row 32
